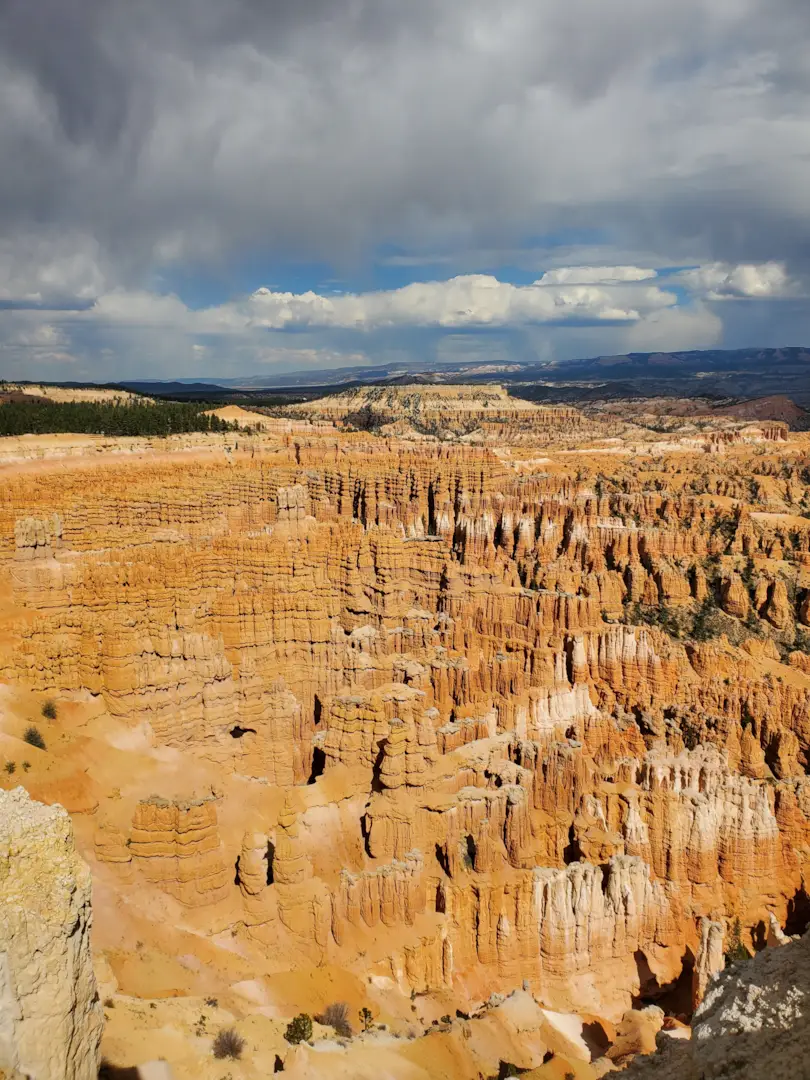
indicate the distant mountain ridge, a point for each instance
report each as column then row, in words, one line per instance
column 697, row 362
column 730, row 375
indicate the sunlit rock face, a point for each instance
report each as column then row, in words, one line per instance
column 463, row 715
column 50, row 1015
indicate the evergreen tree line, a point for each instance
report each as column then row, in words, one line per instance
column 107, row 418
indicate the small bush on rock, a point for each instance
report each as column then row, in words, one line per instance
column 336, row 1016
column 736, row 952
column 33, row 737
column 299, row 1030
column 228, row 1044
column 49, row 710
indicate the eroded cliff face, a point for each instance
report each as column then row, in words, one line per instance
column 461, row 718
column 50, row 1014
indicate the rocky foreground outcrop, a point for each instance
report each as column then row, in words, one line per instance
column 50, row 1015
column 754, row 1022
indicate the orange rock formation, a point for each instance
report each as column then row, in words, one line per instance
column 451, row 719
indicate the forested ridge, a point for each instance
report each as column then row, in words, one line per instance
column 107, row 418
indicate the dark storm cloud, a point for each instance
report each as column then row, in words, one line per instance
column 187, row 129
column 61, row 47
column 142, row 136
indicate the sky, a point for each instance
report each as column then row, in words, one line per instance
column 240, row 187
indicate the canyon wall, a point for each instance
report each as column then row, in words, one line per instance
column 479, row 718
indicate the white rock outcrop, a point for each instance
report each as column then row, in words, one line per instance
column 50, row 1015
column 709, row 959
column 754, row 1023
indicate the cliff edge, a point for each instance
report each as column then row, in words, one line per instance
column 50, row 1015
column 753, row 1023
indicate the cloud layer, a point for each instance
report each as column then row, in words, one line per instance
column 148, row 146
column 614, row 308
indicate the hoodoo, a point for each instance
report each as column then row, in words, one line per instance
column 481, row 729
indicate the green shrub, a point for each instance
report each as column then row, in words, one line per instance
column 299, row 1029
column 736, row 952
column 366, row 1017
column 10, row 768
column 33, row 737
column 49, row 710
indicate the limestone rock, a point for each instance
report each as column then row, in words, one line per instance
column 253, row 864
column 50, row 1015
column 709, row 959
column 291, row 866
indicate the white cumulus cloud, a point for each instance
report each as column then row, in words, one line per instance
column 720, row 281
column 589, row 275
column 465, row 301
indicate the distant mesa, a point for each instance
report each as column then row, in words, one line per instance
column 455, row 410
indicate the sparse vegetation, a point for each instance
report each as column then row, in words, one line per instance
column 49, row 710
column 10, row 768
column 701, row 624
column 365, row 418
column 299, row 1029
column 725, row 525
column 708, row 621
column 228, row 1044
column 657, row 615
column 736, row 952
column 26, row 765
column 366, row 1017
column 33, row 736
column 336, row 1016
